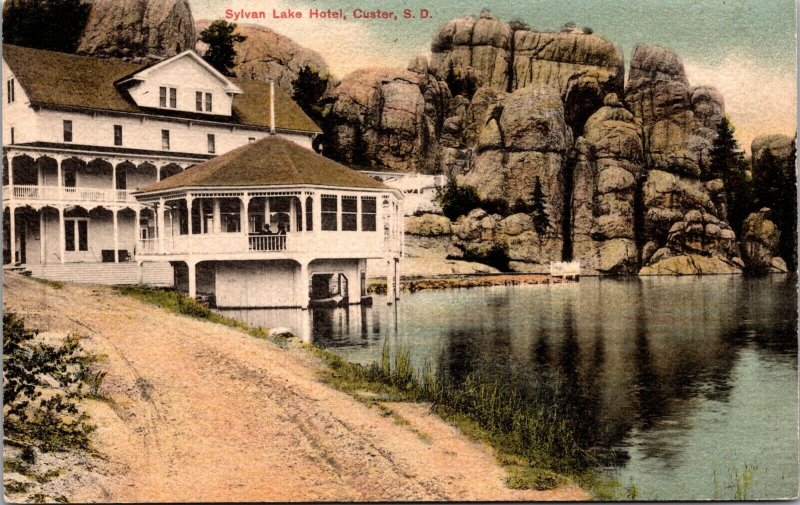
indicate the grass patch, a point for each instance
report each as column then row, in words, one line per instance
column 176, row 302
column 48, row 282
column 518, row 416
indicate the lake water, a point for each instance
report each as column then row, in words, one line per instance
column 684, row 380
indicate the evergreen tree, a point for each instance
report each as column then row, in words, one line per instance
column 728, row 163
column 220, row 39
column 787, row 210
column 541, row 221
column 308, row 90
column 53, row 25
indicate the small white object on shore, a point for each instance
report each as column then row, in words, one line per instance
column 565, row 269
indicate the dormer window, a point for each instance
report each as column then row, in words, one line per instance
column 198, row 101
column 10, row 91
column 162, row 97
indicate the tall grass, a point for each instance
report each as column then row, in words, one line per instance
column 519, row 416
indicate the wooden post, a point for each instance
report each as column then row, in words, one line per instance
column 389, row 282
column 116, row 234
column 160, row 224
column 244, row 222
column 62, row 239
column 12, row 234
column 216, row 215
column 136, row 218
column 42, row 235
column 192, row 279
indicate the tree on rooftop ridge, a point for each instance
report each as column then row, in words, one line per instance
column 220, row 39
column 53, row 26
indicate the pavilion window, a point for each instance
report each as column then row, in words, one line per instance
column 212, row 144
column 198, row 101
column 165, row 140
column 208, row 102
column 67, row 130
column 349, row 213
column 369, row 209
column 117, row 135
column 162, row 97
column 329, row 208
column 173, row 98
column 309, row 214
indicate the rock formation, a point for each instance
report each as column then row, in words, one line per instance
column 388, row 119
column 760, row 241
column 266, row 55
column 138, row 30
column 603, row 198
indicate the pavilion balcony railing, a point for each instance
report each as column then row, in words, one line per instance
column 267, row 243
column 65, row 193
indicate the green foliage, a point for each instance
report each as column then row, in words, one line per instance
column 54, row 26
column 728, row 163
column 775, row 186
column 457, row 200
column 541, row 221
column 743, row 481
column 41, row 384
column 220, row 39
column 308, row 90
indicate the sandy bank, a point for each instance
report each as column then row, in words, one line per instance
column 202, row 412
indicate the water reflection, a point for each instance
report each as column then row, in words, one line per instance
column 652, row 368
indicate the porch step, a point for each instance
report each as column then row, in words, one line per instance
column 156, row 274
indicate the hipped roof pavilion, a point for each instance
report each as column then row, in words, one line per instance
column 271, row 161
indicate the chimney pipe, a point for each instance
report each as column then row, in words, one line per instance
column 272, row 107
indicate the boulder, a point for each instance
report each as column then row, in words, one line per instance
column 143, row 31
column 760, row 241
column 266, row 55
column 779, row 145
column 427, row 225
column 691, row 264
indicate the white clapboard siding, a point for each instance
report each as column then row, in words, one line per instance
column 155, row 274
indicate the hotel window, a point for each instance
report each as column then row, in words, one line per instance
column 117, row 135
column 329, row 208
column 212, row 147
column 67, row 130
column 369, row 208
column 198, row 101
column 162, row 97
column 349, row 213
column 208, row 102
column 165, row 140
column 173, row 98
column 76, row 233
column 12, row 135
column 10, row 90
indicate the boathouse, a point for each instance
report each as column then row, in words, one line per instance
column 272, row 224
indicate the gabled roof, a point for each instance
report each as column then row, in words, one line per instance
column 271, row 161
column 145, row 72
column 68, row 80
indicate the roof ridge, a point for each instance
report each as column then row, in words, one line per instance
column 289, row 159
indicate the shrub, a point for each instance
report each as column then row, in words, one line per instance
column 41, row 384
column 457, row 200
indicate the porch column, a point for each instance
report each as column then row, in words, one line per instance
column 62, row 239
column 12, row 234
column 42, row 235
column 59, row 160
column 116, row 234
column 136, row 219
column 244, row 221
column 316, row 210
column 192, row 279
column 114, row 181
column 396, row 271
column 189, row 203
column 389, row 282
column 301, row 289
column 11, row 170
column 160, row 224
column 216, row 215
column 358, row 213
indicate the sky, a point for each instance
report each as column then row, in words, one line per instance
column 745, row 48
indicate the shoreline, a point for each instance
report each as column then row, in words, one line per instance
column 188, row 417
column 419, row 283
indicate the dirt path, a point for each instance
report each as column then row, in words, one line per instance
column 202, row 412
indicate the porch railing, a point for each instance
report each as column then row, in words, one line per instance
column 60, row 193
column 267, row 243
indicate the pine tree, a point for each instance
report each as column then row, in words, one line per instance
column 541, row 221
column 309, row 87
column 54, row 26
column 725, row 152
column 728, row 163
column 220, row 39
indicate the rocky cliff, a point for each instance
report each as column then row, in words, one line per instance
column 266, row 55
column 138, row 30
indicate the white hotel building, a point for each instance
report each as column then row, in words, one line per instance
column 90, row 150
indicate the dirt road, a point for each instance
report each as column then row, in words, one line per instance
column 201, row 412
